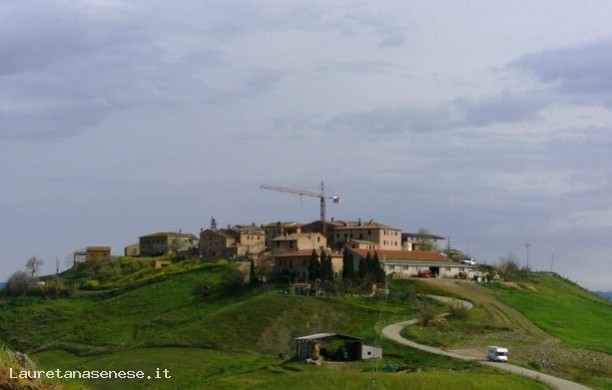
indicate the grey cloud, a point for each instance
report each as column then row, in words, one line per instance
column 206, row 57
column 61, row 76
column 392, row 120
column 503, row 108
column 252, row 83
column 464, row 112
column 377, row 67
column 582, row 71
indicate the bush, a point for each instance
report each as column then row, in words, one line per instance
column 55, row 288
column 457, row 310
column 427, row 315
column 233, row 281
column 18, row 284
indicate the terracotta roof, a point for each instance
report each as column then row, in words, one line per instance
column 402, row 255
column 364, row 242
column 98, row 249
column 221, row 232
column 304, row 253
column 371, row 224
column 295, row 236
column 166, row 234
column 424, row 235
column 283, row 224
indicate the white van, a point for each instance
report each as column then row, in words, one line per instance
column 497, row 354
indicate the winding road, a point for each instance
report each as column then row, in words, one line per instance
column 393, row 332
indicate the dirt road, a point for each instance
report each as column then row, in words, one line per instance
column 393, row 332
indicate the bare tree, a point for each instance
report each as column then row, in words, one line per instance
column 33, row 264
column 508, row 265
column 425, row 241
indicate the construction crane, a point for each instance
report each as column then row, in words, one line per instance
column 321, row 195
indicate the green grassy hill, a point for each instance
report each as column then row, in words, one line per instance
column 187, row 320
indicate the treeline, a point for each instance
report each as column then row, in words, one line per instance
column 368, row 270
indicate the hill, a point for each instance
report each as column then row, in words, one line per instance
column 195, row 321
column 605, row 294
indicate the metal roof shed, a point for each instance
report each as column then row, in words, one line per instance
column 334, row 346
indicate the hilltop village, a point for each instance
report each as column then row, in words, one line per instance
column 285, row 248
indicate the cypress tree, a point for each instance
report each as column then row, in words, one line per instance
column 327, row 271
column 314, row 267
column 348, row 267
column 378, row 272
column 252, row 276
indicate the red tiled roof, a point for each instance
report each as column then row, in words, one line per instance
column 305, row 252
column 402, row 255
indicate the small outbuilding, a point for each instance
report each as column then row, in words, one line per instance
column 335, row 347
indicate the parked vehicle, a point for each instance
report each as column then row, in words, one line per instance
column 497, row 354
column 426, row 273
column 469, row 261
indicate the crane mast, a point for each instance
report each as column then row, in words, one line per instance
column 321, row 195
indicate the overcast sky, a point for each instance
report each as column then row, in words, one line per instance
column 489, row 122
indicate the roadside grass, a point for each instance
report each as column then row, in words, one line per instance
column 10, row 360
column 192, row 368
column 578, row 318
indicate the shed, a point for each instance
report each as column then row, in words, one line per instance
column 334, row 346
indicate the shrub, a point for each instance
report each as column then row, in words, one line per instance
column 55, row 288
column 427, row 315
column 457, row 310
column 18, row 284
column 233, row 281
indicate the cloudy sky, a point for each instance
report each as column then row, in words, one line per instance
column 489, row 122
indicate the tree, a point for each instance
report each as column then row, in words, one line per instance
column 18, row 283
column 377, row 272
column 508, row 265
column 327, row 270
column 424, row 241
column 232, row 281
column 33, row 264
column 348, row 267
column 252, row 276
column 365, row 267
column 314, row 267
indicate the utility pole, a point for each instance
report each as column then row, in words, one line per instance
column 527, row 246
column 552, row 261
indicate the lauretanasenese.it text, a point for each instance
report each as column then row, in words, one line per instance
column 87, row 374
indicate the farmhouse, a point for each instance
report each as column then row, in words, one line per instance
column 403, row 264
column 334, row 346
column 236, row 241
column 384, row 236
column 162, row 243
column 295, row 263
column 421, row 241
column 95, row 253
column 275, row 229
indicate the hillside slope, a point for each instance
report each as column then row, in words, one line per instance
column 210, row 336
column 549, row 324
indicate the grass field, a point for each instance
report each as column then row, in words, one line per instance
column 578, row 318
column 194, row 368
column 182, row 319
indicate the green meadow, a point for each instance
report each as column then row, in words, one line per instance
column 190, row 320
column 578, row 318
